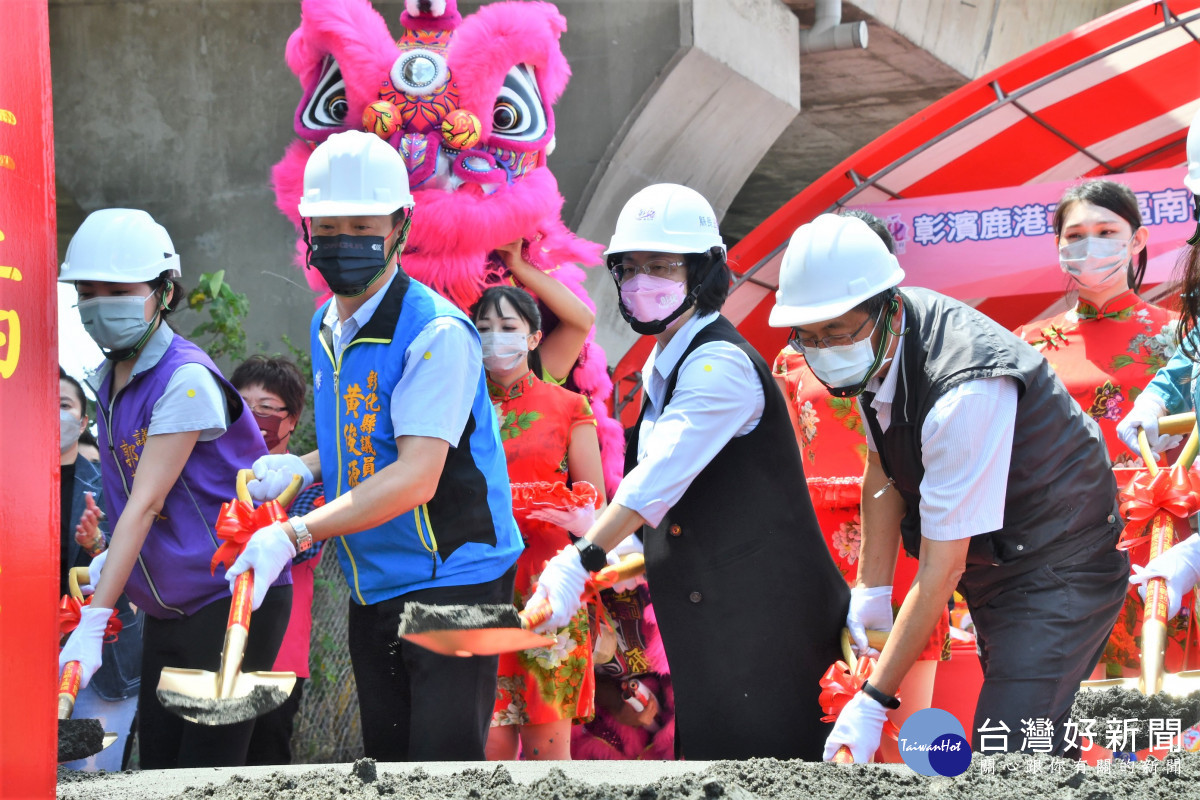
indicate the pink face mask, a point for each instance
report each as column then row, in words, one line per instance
column 649, row 298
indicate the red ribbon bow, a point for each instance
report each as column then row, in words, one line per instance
column 1175, row 492
column 839, row 684
column 236, row 523
column 546, row 494
column 70, row 610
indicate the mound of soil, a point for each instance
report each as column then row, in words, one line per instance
column 1117, row 704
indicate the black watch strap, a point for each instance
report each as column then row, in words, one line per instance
column 591, row 556
column 885, row 700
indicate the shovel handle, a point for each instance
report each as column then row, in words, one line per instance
column 536, row 614
column 236, row 633
column 244, row 476
column 74, row 575
column 628, row 567
column 68, row 688
column 243, row 597
column 1177, row 424
column 843, row 756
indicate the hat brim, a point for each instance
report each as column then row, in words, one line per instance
column 331, row 208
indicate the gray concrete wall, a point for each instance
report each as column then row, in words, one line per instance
column 182, row 108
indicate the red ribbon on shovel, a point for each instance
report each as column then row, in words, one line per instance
column 1175, row 491
column 237, row 522
column 839, row 684
column 70, row 610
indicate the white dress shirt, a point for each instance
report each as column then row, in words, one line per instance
column 718, row 396
column 444, row 361
column 966, row 447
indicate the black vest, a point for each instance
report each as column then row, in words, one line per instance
column 1061, row 497
column 749, row 602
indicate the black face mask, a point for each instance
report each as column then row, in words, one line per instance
column 349, row 264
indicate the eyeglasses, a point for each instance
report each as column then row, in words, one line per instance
column 263, row 409
column 798, row 342
column 655, row 267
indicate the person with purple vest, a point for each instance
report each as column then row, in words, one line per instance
column 173, row 434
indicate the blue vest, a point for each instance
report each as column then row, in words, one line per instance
column 464, row 535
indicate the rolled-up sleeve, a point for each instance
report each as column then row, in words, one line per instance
column 966, row 448
column 442, row 369
column 717, row 396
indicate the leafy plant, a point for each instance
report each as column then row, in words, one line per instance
column 223, row 333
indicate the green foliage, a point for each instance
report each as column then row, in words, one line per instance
column 223, row 334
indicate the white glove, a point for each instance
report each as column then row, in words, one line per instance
column 859, row 727
column 577, row 520
column 869, row 609
column 1144, row 414
column 562, row 583
column 267, row 553
column 85, row 642
column 273, row 474
column 94, row 570
column 1180, row 566
column 629, row 545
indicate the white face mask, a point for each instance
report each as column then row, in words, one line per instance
column 503, row 350
column 114, row 323
column 844, row 366
column 1094, row 263
column 69, row 430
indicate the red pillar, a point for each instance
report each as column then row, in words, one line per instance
column 29, row 495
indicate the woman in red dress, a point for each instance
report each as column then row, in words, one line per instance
column 1106, row 346
column 549, row 435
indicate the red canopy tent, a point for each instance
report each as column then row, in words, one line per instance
column 1114, row 96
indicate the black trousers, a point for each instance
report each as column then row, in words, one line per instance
column 166, row 741
column 417, row 705
column 272, row 739
column 1037, row 639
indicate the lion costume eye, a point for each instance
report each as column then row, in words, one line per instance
column 518, row 113
column 328, row 107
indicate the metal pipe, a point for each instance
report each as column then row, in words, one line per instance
column 828, row 32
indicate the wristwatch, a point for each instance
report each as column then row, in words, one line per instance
column 885, row 700
column 303, row 537
column 591, row 556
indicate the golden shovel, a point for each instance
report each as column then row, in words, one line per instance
column 1154, row 678
column 230, row 695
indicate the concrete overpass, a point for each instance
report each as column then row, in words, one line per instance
column 181, row 109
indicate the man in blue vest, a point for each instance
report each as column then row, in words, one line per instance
column 416, row 484
column 981, row 465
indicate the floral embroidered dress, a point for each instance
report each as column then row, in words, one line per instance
column 544, row 684
column 833, row 446
column 1105, row 357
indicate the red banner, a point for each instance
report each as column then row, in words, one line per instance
column 29, row 495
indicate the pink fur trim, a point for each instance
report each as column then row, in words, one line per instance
column 500, row 35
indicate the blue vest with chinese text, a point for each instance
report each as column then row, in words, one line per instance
column 465, row 534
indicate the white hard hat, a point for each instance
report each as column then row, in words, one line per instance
column 119, row 245
column 1192, row 180
column 666, row 218
column 831, row 265
column 354, row 174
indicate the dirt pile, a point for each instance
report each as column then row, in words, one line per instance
column 1005, row 776
column 1116, row 704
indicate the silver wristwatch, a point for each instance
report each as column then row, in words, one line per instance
column 303, row 537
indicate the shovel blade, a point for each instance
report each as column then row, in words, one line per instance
column 478, row 641
column 80, row 738
column 192, row 694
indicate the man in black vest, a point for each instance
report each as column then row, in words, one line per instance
column 981, row 465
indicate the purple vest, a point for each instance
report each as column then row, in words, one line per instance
column 172, row 577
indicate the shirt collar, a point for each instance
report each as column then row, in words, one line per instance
column 360, row 317
column 1119, row 307
column 885, row 387
column 499, row 394
column 148, row 358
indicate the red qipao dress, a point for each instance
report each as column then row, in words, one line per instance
column 544, row 684
column 833, row 446
column 1105, row 357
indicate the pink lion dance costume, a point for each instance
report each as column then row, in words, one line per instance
column 468, row 103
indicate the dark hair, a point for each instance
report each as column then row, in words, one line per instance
column 277, row 375
column 1117, row 198
column 63, row 376
column 873, row 306
column 87, row 438
column 711, row 271
column 525, row 307
column 1187, row 270
column 164, row 281
column 875, row 224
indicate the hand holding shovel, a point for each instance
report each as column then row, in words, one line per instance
column 230, row 695
column 844, row 679
column 77, row 738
